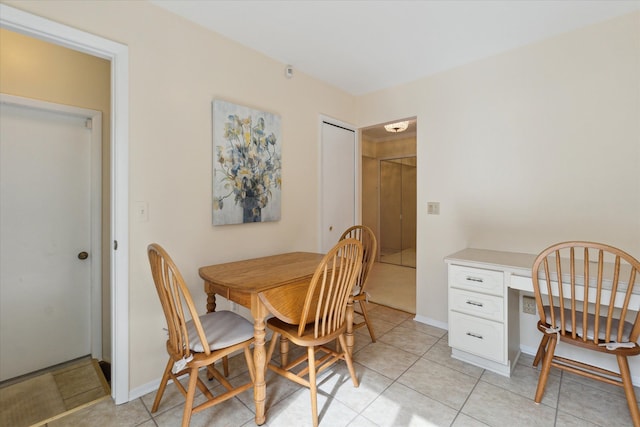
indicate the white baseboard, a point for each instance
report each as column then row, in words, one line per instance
column 145, row 389
column 432, row 322
column 531, row 351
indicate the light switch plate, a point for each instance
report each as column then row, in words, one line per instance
column 142, row 211
column 433, row 208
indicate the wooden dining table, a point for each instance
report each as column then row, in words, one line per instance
column 274, row 284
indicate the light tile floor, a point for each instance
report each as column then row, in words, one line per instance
column 407, row 378
column 393, row 286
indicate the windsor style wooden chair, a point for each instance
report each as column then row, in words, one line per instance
column 196, row 341
column 584, row 296
column 364, row 235
column 323, row 319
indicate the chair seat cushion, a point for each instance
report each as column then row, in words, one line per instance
column 222, row 329
column 602, row 328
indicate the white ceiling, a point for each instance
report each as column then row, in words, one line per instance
column 364, row 46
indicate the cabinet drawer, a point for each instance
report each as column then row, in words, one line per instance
column 484, row 338
column 476, row 279
column 477, row 304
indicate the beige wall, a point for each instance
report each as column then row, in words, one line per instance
column 537, row 145
column 35, row 69
column 176, row 69
column 401, row 147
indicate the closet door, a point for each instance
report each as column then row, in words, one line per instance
column 338, row 183
column 391, row 211
column 398, row 211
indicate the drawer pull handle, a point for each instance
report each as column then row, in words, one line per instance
column 477, row 304
column 475, row 279
column 471, row 334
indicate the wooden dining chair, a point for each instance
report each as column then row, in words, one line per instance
column 364, row 235
column 584, row 297
column 196, row 341
column 323, row 319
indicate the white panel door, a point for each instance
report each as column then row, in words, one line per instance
column 45, row 207
column 338, row 181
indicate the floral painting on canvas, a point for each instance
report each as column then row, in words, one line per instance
column 246, row 164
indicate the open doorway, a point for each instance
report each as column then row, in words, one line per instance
column 53, row 162
column 117, row 241
column 389, row 209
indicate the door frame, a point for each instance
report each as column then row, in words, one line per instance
column 118, row 54
column 357, row 179
column 95, row 233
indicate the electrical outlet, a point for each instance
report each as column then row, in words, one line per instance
column 528, row 304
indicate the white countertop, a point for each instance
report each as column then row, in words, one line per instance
column 519, row 265
column 514, row 262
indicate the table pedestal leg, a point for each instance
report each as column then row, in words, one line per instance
column 211, row 302
column 259, row 361
column 349, row 334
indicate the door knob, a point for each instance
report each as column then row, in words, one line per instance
column 83, row 255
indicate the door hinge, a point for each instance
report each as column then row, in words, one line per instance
column 88, row 124
column 115, row 245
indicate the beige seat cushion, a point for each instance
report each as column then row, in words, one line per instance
column 591, row 320
column 222, row 329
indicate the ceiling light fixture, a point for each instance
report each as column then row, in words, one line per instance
column 397, row 127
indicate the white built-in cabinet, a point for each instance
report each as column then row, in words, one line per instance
column 484, row 323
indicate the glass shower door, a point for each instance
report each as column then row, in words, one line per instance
column 398, row 211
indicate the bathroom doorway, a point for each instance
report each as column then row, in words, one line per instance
column 389, row 166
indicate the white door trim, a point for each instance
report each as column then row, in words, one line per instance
column 53, row 32
column 96, row 203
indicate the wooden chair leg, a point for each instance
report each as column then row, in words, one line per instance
column 284, row 351
column 541, row 350
column 348, row 360
column 627, row 383
column 546, row 368
column 311, row 352
column 225, row 365
column 270, row 350
column 252, row 369
column 219, row 377
column 191, row 393
column 225, row 368
column 363, row 308
column 163, row 386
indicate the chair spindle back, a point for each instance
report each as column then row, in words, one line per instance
column 364, row 235
column 331, row 287
column 576, row 286
column 174, row 297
